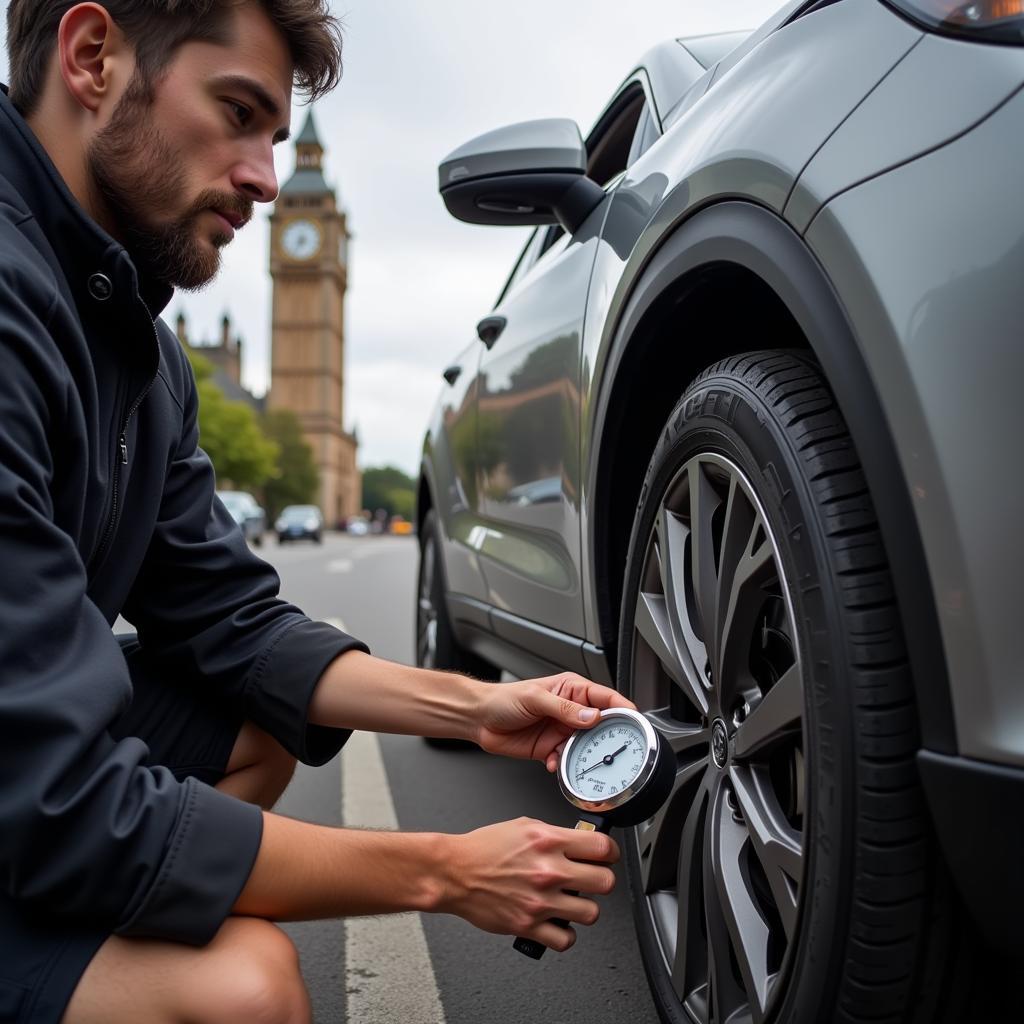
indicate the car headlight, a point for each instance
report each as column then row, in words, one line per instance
column 991, row 21
column 280, row 525
column 311, row 524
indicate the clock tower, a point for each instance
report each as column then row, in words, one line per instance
column 309, row 266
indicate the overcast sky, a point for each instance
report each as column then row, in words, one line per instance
column 420, row 79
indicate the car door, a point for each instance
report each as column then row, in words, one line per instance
column 528, row 408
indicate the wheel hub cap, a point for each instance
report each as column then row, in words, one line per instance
column 719, row 743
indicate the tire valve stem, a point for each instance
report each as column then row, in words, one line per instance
column 737, row 814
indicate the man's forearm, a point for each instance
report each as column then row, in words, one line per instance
column 509, row 878
column 309, row 872
column 358, row 691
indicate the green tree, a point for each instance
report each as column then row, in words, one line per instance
column 389, row 488
column 297, row 480
column 230, row 434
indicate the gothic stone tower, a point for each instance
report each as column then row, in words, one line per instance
column 309, row 265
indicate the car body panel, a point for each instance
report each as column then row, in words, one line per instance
column 528, row 430
column 939, row 90
column 942, row 342
column 710, row 49
column 784, row 14
column 727, row 146
column 450, row 461
column 671, row 70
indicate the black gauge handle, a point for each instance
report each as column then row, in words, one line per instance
column 640, row 807
column 531, row 947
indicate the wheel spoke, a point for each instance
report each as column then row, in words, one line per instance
column 685, row 740
column 689, row 959
column 776, row 843
column 747, row 563
column 658, row 838
column 652, row 623
column 777, row 716
column 732, row 904
column 673, row 537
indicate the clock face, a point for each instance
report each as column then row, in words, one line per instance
column 301, row 239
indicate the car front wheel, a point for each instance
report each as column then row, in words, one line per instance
column 436, row 644
column 791, row 876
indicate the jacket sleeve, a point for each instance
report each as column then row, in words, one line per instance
column 209, row 608
column 86, row 829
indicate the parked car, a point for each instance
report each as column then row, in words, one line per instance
column 300, row 522
column 247, row 512
column 740, row 437
column 358, row 526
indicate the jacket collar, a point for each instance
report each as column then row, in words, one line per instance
column 90, row 258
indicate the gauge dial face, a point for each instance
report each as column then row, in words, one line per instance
column 606, row 760
column 301, row 239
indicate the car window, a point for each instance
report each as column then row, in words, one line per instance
column 527, row 258
column 644, row 137
column 611, row 143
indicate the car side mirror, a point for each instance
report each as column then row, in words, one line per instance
column 526, row 174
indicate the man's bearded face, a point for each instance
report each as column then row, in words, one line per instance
column 140, row 177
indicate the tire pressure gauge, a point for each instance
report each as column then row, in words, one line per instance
column 617, row 773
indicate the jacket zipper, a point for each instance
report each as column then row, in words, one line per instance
column 115, row 510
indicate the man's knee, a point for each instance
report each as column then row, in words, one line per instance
column 249, row 972
column 262, row 983
column 259, row 768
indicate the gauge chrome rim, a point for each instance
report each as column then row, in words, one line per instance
column 716, row 667
column 643, row 777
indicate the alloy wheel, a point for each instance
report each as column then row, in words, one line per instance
column 715, row 664
column 426, row 610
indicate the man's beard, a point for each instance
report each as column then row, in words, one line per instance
column 135, row 172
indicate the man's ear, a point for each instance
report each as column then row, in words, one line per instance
column 94, row 59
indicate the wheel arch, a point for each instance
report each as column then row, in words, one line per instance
column 778, row 296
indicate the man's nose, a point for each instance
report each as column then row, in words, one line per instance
column 256, row 178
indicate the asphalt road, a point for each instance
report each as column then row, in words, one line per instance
column 375, row 972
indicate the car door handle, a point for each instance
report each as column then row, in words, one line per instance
column 452, row 374
column 489, row 329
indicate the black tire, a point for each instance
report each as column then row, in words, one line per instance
column 258, row 540
column 826, row 772
column 431, row 588
column 436, row 644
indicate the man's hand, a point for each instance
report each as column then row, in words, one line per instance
column 509, row 879
column 534, row 719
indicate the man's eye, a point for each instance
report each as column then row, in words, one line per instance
column 243, row 113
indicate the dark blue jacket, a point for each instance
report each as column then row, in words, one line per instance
column 107, row 507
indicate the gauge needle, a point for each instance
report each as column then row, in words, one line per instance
column 607, row 759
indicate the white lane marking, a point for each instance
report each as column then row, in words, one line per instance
column 337, row 624
column 340, row 565
column 388, row 972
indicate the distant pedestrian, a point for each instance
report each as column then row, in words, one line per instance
column 138, row 873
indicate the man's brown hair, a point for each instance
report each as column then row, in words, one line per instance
column 156, row 28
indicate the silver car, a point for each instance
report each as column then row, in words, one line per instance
column 247, row 513
column 741, row 436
